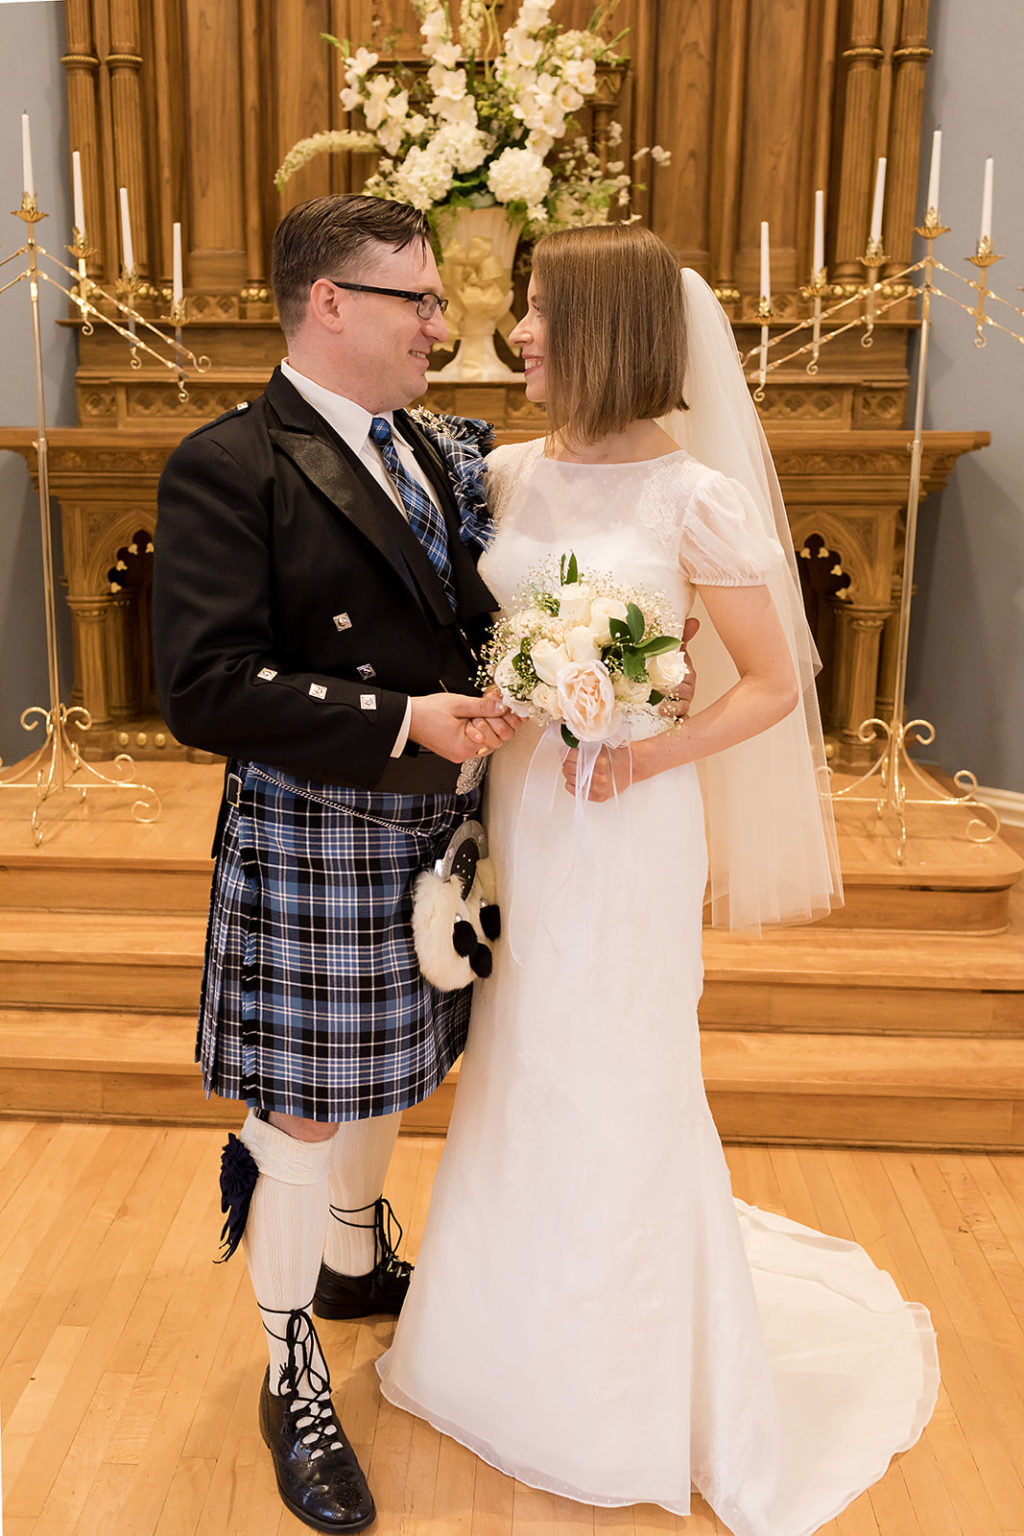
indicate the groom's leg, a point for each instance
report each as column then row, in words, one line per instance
column 318, row 1476
column 361, row 1274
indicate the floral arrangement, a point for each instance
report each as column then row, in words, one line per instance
column 585, row 652
column 480, row 128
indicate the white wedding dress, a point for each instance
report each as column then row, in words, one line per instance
column 591, row 1311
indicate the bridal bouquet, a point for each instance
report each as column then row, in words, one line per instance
column 585, row 651
column 479, row 121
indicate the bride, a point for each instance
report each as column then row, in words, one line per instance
column 592, row 1312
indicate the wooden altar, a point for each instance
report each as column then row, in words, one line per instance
column 191, row 104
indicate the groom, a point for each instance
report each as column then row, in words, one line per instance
column 315, row 617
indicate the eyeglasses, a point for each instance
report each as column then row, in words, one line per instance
column 427, row 304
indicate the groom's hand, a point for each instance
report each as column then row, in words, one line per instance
column 678, row 706
column 457, row 726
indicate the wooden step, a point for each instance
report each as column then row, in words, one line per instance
column 101, row 960
column 60, row 882
column 795, row 979
column 815, row 1089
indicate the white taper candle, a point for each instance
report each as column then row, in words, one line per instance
column 818, row 259
column 76, row 185
column 176, row 286
column 26, row 156
column 933, row 174
column 766, row 275
column 879, row 202
column 986, row 203
column 126, row 230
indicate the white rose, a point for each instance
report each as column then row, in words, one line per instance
column 548, row 660
column 588, row 700
column 666, row 672
column 574, row 600
column 579, row 642
column 546, row 699
column 601, row 610
column 629, row 692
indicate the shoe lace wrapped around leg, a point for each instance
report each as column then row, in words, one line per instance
column 305, row 1381
column 387, row 1232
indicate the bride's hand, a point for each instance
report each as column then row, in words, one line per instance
column 677, row 705
column 616, row 769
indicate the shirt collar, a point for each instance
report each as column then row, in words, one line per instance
column 349, row 420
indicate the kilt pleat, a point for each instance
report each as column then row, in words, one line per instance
column 313, row 1003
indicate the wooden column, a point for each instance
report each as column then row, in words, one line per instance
column 82, row 67
column 854, row 173
column 124, row 63
column 911, row 58
column 90, row 621
column 727, row 137
column 860, row 638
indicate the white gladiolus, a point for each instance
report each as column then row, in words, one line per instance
column 519, row 175
column 360, row 63
column 461, row 111
column 350, row 99
column 448, row 54
column 533, row 14
column 390, row 135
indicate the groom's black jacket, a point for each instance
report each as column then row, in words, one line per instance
column 294, row 609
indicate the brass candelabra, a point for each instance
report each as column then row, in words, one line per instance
column 894, row 770
column 57, row 765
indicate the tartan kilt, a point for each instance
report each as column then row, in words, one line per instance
column 313, row 1003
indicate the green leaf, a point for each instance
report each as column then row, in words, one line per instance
column 660, row 645
column 572, row 572
column 568, row 737
column 619, row 629
column 633, row 666
column 635, row 620
column 655, row 697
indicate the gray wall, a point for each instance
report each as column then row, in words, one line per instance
column 966, row 670
column 967, row 634
column 31, row 79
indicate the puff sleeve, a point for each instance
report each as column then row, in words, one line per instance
column 722, row 540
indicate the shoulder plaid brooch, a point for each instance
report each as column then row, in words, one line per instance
column 462, row 443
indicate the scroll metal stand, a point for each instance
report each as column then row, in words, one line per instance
column 57, row 764
column 894, row 768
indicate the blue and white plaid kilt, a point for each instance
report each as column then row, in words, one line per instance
column 313, row 1003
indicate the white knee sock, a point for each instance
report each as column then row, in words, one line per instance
column 284, row 1236
column 360, row 1153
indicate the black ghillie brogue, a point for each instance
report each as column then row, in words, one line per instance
column 318, row 1477
column 383, row 1290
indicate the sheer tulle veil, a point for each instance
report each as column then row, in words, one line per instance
column 771, row 833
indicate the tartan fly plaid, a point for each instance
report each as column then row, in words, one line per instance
column 313, row 1003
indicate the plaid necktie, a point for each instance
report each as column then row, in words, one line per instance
column 425, row 520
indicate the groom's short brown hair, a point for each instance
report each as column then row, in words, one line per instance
column 615, row 348
column 333, row 237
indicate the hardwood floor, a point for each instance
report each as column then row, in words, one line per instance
column 130, row 1363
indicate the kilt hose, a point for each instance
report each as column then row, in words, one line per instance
column 312, row 1000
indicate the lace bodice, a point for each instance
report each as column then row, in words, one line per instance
column 670, row 524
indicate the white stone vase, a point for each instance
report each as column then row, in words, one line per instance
column 478, row 246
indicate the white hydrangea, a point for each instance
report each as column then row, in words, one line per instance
column 423, row 178
column 465, row 146
column 519, row 175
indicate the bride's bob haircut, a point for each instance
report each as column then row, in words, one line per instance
column 615, row 349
